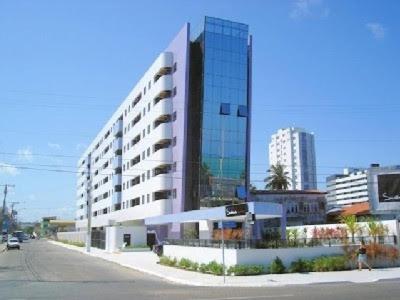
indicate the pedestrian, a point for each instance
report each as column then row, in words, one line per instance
column 362, row 256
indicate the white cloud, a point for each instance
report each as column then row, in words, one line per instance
column 25, row 154
column 308, row 8
column 54, row 146
column 8, row 169
column 377, row 30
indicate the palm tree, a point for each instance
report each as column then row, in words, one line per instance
column 375, row 228
column 278, row 179
column 351, row 223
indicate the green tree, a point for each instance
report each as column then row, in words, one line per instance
column 352, row 225
column 278, row 178
column 375, row 228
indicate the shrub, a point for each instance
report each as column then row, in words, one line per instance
column 203, row 268
column 184, row 263
column 167, row 261
column 301, row 266
column 330, row 263
column 77, row 244
column 212, row 267
column 215, row 268
column 240, row 270
column 277, row 266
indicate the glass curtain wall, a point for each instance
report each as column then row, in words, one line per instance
column 224, row 106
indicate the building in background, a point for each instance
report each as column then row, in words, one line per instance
column 45, row 227
column 365, row 192
column 294, row 149
column 178, row 142
column 302, row 207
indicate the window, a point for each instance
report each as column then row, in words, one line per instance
column 142, row 199
column 143, row 155
column 225, row 109
column 143, row 177
column 148, row 129
column 174, row 116
column 148, row 198
column 148, row 174
column 174, row 194
column 148, row 152
column 144, row 91
column 144, row 132
column 242, row 111
column 174, row 92
column 144, row 111
column 174, row 141
column 174, row 167
column 175, row 67
column 148, row 106
column 149, row 85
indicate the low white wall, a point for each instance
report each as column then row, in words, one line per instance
column 248, row 256
column 287, row 255
column 201, row 254
column 72, row 236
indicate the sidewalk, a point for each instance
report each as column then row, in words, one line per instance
column 147, row 262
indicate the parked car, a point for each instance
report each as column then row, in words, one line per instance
column 13, row 243
column 19, row 235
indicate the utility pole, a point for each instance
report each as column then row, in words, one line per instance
column 89, row 212
column 6, row 186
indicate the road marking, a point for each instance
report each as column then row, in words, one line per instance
column 249, row 298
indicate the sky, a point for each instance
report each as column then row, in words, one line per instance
column 331, row 67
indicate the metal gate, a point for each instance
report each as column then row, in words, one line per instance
column 99, row 239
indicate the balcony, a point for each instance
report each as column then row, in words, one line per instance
column 164, row 106
column 163, row 154
column 162, row 169
column 117, row 162
column 118, row 127
column 117, row 144
column 161, row 120
column 117, row 179
column 162, row 131
column 162, row 195
column 163, row 88
column 116, row 198
column 162, row 182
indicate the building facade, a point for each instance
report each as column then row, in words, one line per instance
column 377, row 187
column 294, row 149
column 179, row 141
column 347, row 188
column 302, row 207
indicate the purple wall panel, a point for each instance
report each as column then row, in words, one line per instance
column 180, row 47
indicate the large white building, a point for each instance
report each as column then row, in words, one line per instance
column 177, row 142
column 378, row 186
column 294, row 149
column 347, row 188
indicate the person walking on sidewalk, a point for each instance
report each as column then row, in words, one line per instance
column 362, row 256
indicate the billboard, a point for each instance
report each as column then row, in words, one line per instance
column 389, row 188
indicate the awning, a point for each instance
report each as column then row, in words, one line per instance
column 222, row 213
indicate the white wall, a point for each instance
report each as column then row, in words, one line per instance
column 115, row 236
column 248, row 256
column 72, row 236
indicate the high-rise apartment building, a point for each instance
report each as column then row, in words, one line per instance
column 294, row 149
column 179, row 141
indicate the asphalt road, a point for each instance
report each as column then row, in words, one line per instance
column 45, row 271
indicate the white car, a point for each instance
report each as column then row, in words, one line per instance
column 13, row 243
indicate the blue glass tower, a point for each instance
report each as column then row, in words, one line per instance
column 219, row 113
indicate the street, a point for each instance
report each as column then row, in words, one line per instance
column 45, row 271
